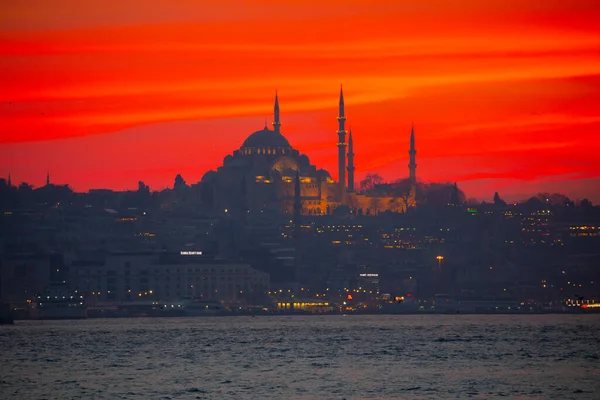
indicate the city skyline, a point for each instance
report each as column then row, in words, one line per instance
column 111, row 98
column 299, row 199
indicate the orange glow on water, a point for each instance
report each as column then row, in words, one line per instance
column 505, row 95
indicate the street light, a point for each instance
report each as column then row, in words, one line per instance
column 440, row 259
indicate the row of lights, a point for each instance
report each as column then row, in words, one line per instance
column 128, row 291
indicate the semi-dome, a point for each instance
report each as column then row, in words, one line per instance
column 266, row 138
column 323, row 174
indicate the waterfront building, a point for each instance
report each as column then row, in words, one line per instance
column 145, row 276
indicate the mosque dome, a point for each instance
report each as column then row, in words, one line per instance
column 266, row 138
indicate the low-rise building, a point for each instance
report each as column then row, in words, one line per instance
column 148, row 276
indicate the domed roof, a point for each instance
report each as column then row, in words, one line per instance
column 323, row 174
column 264, row 138
column 208, row 175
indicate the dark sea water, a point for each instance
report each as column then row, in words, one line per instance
column 328, row 357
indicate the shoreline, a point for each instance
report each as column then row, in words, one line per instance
column 254, row 315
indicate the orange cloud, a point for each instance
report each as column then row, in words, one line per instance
column 499, row 90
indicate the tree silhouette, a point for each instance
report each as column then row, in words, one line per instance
column 179, row 182
column 585, row 204
column 568, row 202
column 534, row 203
column 498, row 201
column 552, row 198
column 370, row 181
column 142, row 188
column 441, row 193
column 403, row 189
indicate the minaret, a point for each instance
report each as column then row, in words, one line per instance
column 243, row 196
column 297, row 202
column 48, row 178
column 9, row 181
column 454, row 200
column 276, row 123
column 350, row 163
column 412, row 167
column 341, row 144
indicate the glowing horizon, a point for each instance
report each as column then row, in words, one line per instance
column 504, row 95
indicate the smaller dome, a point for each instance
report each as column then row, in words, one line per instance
column 266, row 138
column 208, row 176
column 303, row 160
column 323, row 174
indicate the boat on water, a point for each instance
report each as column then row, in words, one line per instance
column 160, row 308
column 193, row 308
column 58, row 307
column 448, row 304
column 406, row 306
column 202, row 307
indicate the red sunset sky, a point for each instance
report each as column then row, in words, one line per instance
column 504, row 95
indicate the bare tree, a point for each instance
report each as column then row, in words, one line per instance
column 405, row 191
column 370, row 181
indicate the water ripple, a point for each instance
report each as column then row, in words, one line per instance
column 304, row 358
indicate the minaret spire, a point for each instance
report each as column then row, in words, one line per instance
column 350, row 163
column 9, row 181
column 276, row 122
column 341, row 144
column 412, row 166
column 48, row 178
column 341, row 102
